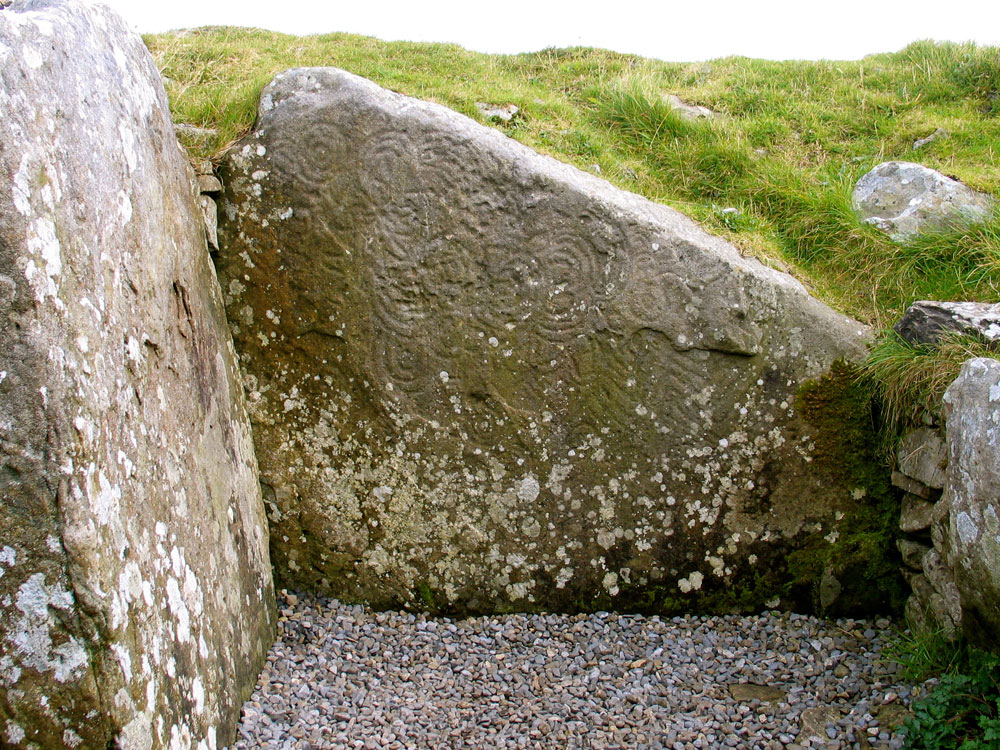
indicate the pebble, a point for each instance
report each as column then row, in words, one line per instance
column 342, row 677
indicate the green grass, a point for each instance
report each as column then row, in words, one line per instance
column 792, row 140
column 909, row 381
column 961, row 708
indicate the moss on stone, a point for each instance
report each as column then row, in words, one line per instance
column 862, row 555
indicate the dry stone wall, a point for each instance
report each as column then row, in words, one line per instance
column 949, row 471
column 136, row 603
column 482, row 379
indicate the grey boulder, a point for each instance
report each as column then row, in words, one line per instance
column 905, row 199
column 927, row 321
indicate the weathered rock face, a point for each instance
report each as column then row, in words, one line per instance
column 135, row 595
column 905, row 199
column 926, row 321
column 972, row 494
column 481, row 377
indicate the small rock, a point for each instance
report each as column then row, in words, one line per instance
column 499, row 112
column 923, row 455
column 915, row 513
column 912, row 552
column 921, row 142
column 691, row 112
column 911, row 486
column 194, row 133
column 209, row 184
column 925, row 322
column 210, row 214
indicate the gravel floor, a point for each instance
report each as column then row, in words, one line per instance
column 345, row 677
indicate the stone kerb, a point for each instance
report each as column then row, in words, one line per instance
column 482, row 379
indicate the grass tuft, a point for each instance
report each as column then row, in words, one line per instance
column 909, row 381
column 961, row 708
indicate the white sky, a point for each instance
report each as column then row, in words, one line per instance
column 680, row 30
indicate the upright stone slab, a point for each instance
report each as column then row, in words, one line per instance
column 971, row 538
column 135, row 597
column 483, row 379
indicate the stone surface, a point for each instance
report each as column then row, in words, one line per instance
column 498, row 112
column 135, row 595
column 972, row 494
column 927, row 140
column 815, row 722
column 905, row 199
column 923, row 455
column 912, row 553
column 483, row 379
column 910, row 486
column 749, row 691
column 210, row 220
column 928, row 610
column 939, row 576
column 925, row 322
column 940, row 524
column 915, row 514
column 195, row 134
column 208, row 183
column 689, row 111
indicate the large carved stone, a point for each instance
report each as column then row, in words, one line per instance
column 135, row 595
column 481, row 377
column 971, row 540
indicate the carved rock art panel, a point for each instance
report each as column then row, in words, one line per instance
column 538, row 381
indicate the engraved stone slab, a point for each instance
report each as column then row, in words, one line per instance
column 135, row 595
column 482, row 379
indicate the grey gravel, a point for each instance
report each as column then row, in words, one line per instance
column 342, row 676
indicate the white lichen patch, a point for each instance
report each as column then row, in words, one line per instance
column 32, row 637
column 528, row 489
column 691, row 583
column 45, row 265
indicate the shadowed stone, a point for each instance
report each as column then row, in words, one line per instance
column 910, row 486
column 925, row 322
column 922, row 455
column 916, row 514
column 912, row 553
column 135, row 594
column 483, row 379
